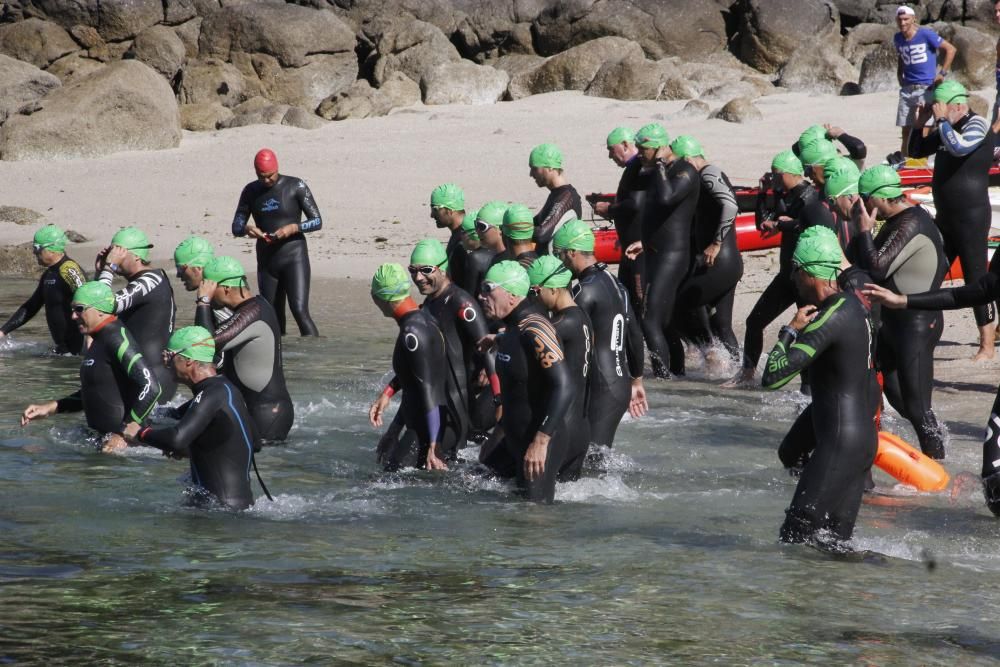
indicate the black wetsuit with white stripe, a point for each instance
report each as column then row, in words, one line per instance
column 54, row 292
column 577, row 335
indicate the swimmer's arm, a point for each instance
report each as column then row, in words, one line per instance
column 634, row 348
column 711, row 178
column 555, row 210
column 242, row 215
column 856, row 148
column 968, row 140
column 671, row 190
column 71, row 403
column 543, row 342
column 176, row 440
column 793, row 353
column 983, row 291
column 879, row 261
column 923, row 146
column 203, row 316
column 143, row 379
column 229, row 332
column 27, row 310
column 137, row 291
column 313, row 221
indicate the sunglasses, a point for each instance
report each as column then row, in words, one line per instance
column 482, row 226
column 535, row 291
column 37, row 248
column 78, row 308
column 424, row 270
column 486, row 287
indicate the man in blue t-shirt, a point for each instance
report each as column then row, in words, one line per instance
column 917, row 70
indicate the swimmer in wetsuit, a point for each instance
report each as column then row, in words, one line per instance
column 118, row 388
column 277, row 203
column 907, row 256
column 517, row 229
column 963, row 145
column 833, row 336
column 190, row 257
column 251, row 340
column 448, row 212
column 856, row 149
column 545, row 166
column 616, row 381
column 537, row 382
column 146, row 304
column 478, row 256
column 431, row 433
column 550, row 281
column 62, row 276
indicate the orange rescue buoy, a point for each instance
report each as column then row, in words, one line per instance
column 908, row 464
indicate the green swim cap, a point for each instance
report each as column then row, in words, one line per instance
column 549, row 271
column 686, row 146
column 225, row 271
column 574, row 235
column 818, row 252
column 546, row 155
column 391, row 282
column 50, row 237
column 492, row 213
column 839, row 163
column 841, row 182
column 448, row 196
column 509, row 275
column 620, row 135
column 195, row 343
column 469, row 224
column 518, row 223
column 193, row 251
column 95, row 294
column 134, row 240
column 950, row 91
column 429, row 252
column 818, row 152
column 787, row 163
column 880, row 181
column 811, row 134
column 653, row 135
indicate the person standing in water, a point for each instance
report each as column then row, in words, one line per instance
column 545, row 166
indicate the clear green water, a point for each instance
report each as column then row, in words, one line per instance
column 670, row 557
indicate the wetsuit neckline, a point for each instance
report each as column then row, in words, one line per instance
column 520, row 310
column 593, row 268
column 201, row 385
column 103, row 323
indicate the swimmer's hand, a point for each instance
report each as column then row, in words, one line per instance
column 114, row 444
column 832, row 131
column 634, row 249
column 377, row 409
column 207, row 288
column 638, row 405
column 116, row 255
column 486, row 344
column 286, row 231
column 534, row 458
column 711, row 252
column 886, row 297
column 38, row 411
column 101, row 259
column 768, row 228
column 254, row 231
column 860, row 212
column 803, row 316
column 433, row 462
column 601, row 208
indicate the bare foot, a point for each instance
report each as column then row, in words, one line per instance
column 984, row 354
column 742, row 379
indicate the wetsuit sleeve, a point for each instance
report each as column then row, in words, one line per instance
column 672, row 189
column 27, row 310
column 71, row 403
column 138, row 371
column 715, row 184
column 421, row 363
column 856, row 148
column 472, row 322
column 176, row 440
column 556, row 209
column 634, row 348
column 543, row 342
column 72, row 274
column 242, row 215
column 313, row 221
column 793, row 354
column 228, row 331
column 983, row 291
column 921, row 146
column 814, row 213
column 136, row 292
column 964, row 142
column 203, row 316
column 879, row 261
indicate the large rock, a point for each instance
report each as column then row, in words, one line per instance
column 878, row 70
column 639, row 79
column 124, row 106
column 771, row 30
column 413, row 48
column 360, row 100
column 189, row 33
column 464, row 82
column 21, row 83
column 115, row 19
column 302, row 119
column 176, row 12
column 288, row 32
column 718, row 81
column 975, row 61
column 817, row 70
column 660, row 27
column 575, row 68
column 204, row 117
column 319, row 77
column 72, row 67
column 212, row 81
column 35, row 41
column 864, row 38
column 516, row 63
column 160, row 48
column 19, row 215
column 499, row 27
column 730, row 90
column 257, row 111
column 18, row 260
column 739, row 110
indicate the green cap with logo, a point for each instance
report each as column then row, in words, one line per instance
column 620, row 135
column 842, row 182
column 225, row 271
column 391, row 282
column 653, row 135
column 96, row 295
column 195, row 343
column 50, row 237
column 818, row 252
column 193, row 251
column 509, row 275
column 574, row 235
column 549, row 271
column 686, row 146
column 787, row 163
column 492, row 213
column 469, row 224
column 448, row 196
column 518, row 223
column 818, row 152
column 134, row 240
column 950, row 91
column 546, row 155
column 429, row 252
column 880, row 181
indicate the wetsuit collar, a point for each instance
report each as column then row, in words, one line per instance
column 103, row 323
column 592, row 269
column 522, row 309
column 406, row 306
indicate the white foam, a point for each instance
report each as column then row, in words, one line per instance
column 603, row 489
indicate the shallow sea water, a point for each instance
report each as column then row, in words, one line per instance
column 666, row 556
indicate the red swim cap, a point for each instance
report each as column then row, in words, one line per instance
column 265, row 161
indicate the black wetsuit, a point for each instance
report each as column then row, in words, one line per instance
column 425, row 410
column 562, row 204
column 283, row 269
column 456, row 253
column 715, row 286
column 252, row 343
column 538, row 392
column 146, row 307
column 624, row 212
column 964, row 155
column 984, row 290
column 55, row 292
column 838, row 427
column 907, row 257
column 667, row 218
column 476, row 264
column 217, row 433
column 618, row 352
column 856, row 149
column 577, row 335
column 525, row 259
column 117, row 384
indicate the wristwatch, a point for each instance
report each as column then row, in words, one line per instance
column 203, row 299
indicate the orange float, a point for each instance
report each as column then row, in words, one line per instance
column 908, row 464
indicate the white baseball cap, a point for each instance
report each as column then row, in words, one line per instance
column 903, row 10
